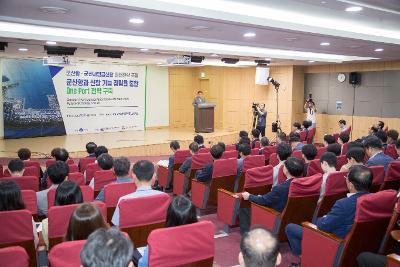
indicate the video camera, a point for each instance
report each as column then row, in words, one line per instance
column 310, row 100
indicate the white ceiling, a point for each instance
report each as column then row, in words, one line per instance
column 307, row 23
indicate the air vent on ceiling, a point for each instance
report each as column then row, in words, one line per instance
column 53, row 10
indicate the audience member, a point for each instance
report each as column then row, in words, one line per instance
column 199, row 140
column 16, row 167
column 57, row 172
column 392, row 136
column 122, row 166
column 259, row 248
column 85, row 219
column 373, row 129
column 91, row 148
column 255, row 133
column 342, row 125
column 11, row 199
column 296, row 127
column 355, row 144
column 343, row 138
column 380, row 125
column 383, row 137
column 335, row 148
column 283, row 151
column 67, row 193
column 181, row 211
column 328, row 166
column 244, row 151
column 174, row 146
column 205, row 174
column 100, row 150
column 245, row 135
column 277, row 198
column 222, row 144
column 263, row 144
column 107, row 247
column 61, row 154
column 295, row 142
column 306, row 124
column 309, row 152
column 373, row 148
column 186, row 165
column 341, row 217
column 105, row 162
column 328, row 139
column 24, row 154
column 144, row 171
column 354, row 156
column 281, row 138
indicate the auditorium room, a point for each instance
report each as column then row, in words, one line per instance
column 212, row 133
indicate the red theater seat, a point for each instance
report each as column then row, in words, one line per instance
column 344, row 148
column 320, row 151
column 204, row 150
column 314, row 167
column 378, row 173
column 303, row 136
column 340, row 161
column 87, row 194
column 230, row 147
column 16, row 230
column 297, row 154
column 140, row 216
column 73, row 168
column 336, row 136
column 372, row 217
column 69, row 162
column 91, row 168
column 77, row 177
column 162, row 172
column 230, row 154
column 25, row 182
column 258, row 181
column 195, row 245
column 254, row 151
column 59, row 217
column 300, row 207
column 392, row 177
column 223, row 177
column 30, row 201
column 268, row 150
column 310, row 136
column 66, row 254
column 391, row 151
column 83, row 162
column 393, row 260
column 389, row 243
column 31, row 163
column 112, row 193
column 249, row 162
column 14, row 257
column 102, row 178
column 273, row 159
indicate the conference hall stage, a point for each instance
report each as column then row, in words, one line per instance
column 151, row 142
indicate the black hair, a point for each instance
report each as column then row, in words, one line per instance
column 294, row 166
column 264, row 141
column 381, row 124
column 24, row 153
column 222, row 144
column 282, row 136
column 392, row 133
column 294, row 137
column 181, row 211
column 61, row 154
column 361, row 177
column 216, row 151
column 90, row 147
column 122, row 166
column 244, row 140
column 245, row 149
column 309, row 151
column 330, row 139
column 342, row 122
column 58, row 171
column 174, row 145
column 10, row 196
column 357, row 153
column 243, row 134
column 355, row 144
column 107, row 247
column 259, row 247
column 15, row 165
column 105, row 161
column 382, row 136
column 374, row 129
column 283, row 151
column 307, row 124
column 372, row 142
column 345, row 137
column 194, row 147
column 255, row 133
column 199, row 139
column 54, row 151
column 67, row 193
column 100, row 150
column 144, row 170
column 297, row 125
column 335, row 148
column 329, row 158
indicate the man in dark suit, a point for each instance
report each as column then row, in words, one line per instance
column 205, row 174
column 277, row 198
column 90, row 148
column 373, row 148
column 185, row 167
column 174, row 146
column 341, row 217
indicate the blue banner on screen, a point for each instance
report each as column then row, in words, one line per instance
column 73, row 99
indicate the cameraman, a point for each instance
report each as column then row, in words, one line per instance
column 311, row 110
column 261, row 118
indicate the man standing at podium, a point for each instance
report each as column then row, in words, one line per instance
column 198, row 99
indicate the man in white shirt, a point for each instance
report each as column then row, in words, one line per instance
column 283, row 151
column 328, row 165
column 144, row 171
column 311, row 110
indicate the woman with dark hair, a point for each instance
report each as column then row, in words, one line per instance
column 181, row 211
column 85, row 219
column 67, row 193
column 11, row 199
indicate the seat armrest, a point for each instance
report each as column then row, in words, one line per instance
column 395, row 235
column 392, row 258
column 314, row 228
column 226, row 192
column 267, row 209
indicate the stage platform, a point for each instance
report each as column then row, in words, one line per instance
column 151, row 142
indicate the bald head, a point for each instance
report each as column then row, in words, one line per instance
column 259, row 248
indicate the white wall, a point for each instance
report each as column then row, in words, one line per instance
column 157, row 97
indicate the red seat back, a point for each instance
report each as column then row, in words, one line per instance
column 181, row 155
column 253, row 161
column 195, row 242
column 391, row 151
column 14, row 257
column 102, row 178
column 336, row 136
column 66, row 254
column 314, row 167
column 91, row 168
column 230, row 147
column 258, row 176
column 348, row 130
column 303, row 136
column 204, row 150
column 378, row 173
column 393, row 171
column 31, row 163
column 340, row 161
column 224, row 167
column 281, row 176
column 69, row 162
column 268, row 150
column 83, row 162
column 113, row 191
column 200, row 160
column 304, row 187
column 273, row 159
column 77, row 177
column 344, row 148
column 32, row 171
column 73, row 168
column 229, row 154
column 30, row 201
column 320, row 151
column 25, row 182
column 87, row 194
column 254, row 151
column 297, row 154
column 310, row 136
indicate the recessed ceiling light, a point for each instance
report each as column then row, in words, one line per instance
column 214, row 55
column 378, row 49
column 249, row 34
column 51, row 43
column 291, row 39
column 144, row 49
column 354, row 9
column 311, row 61
column 354, row 46
column 23, row 49
column 136, row 21
column 199, row 28
column 53, row 10
column 159, row 63
column 324, row 43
